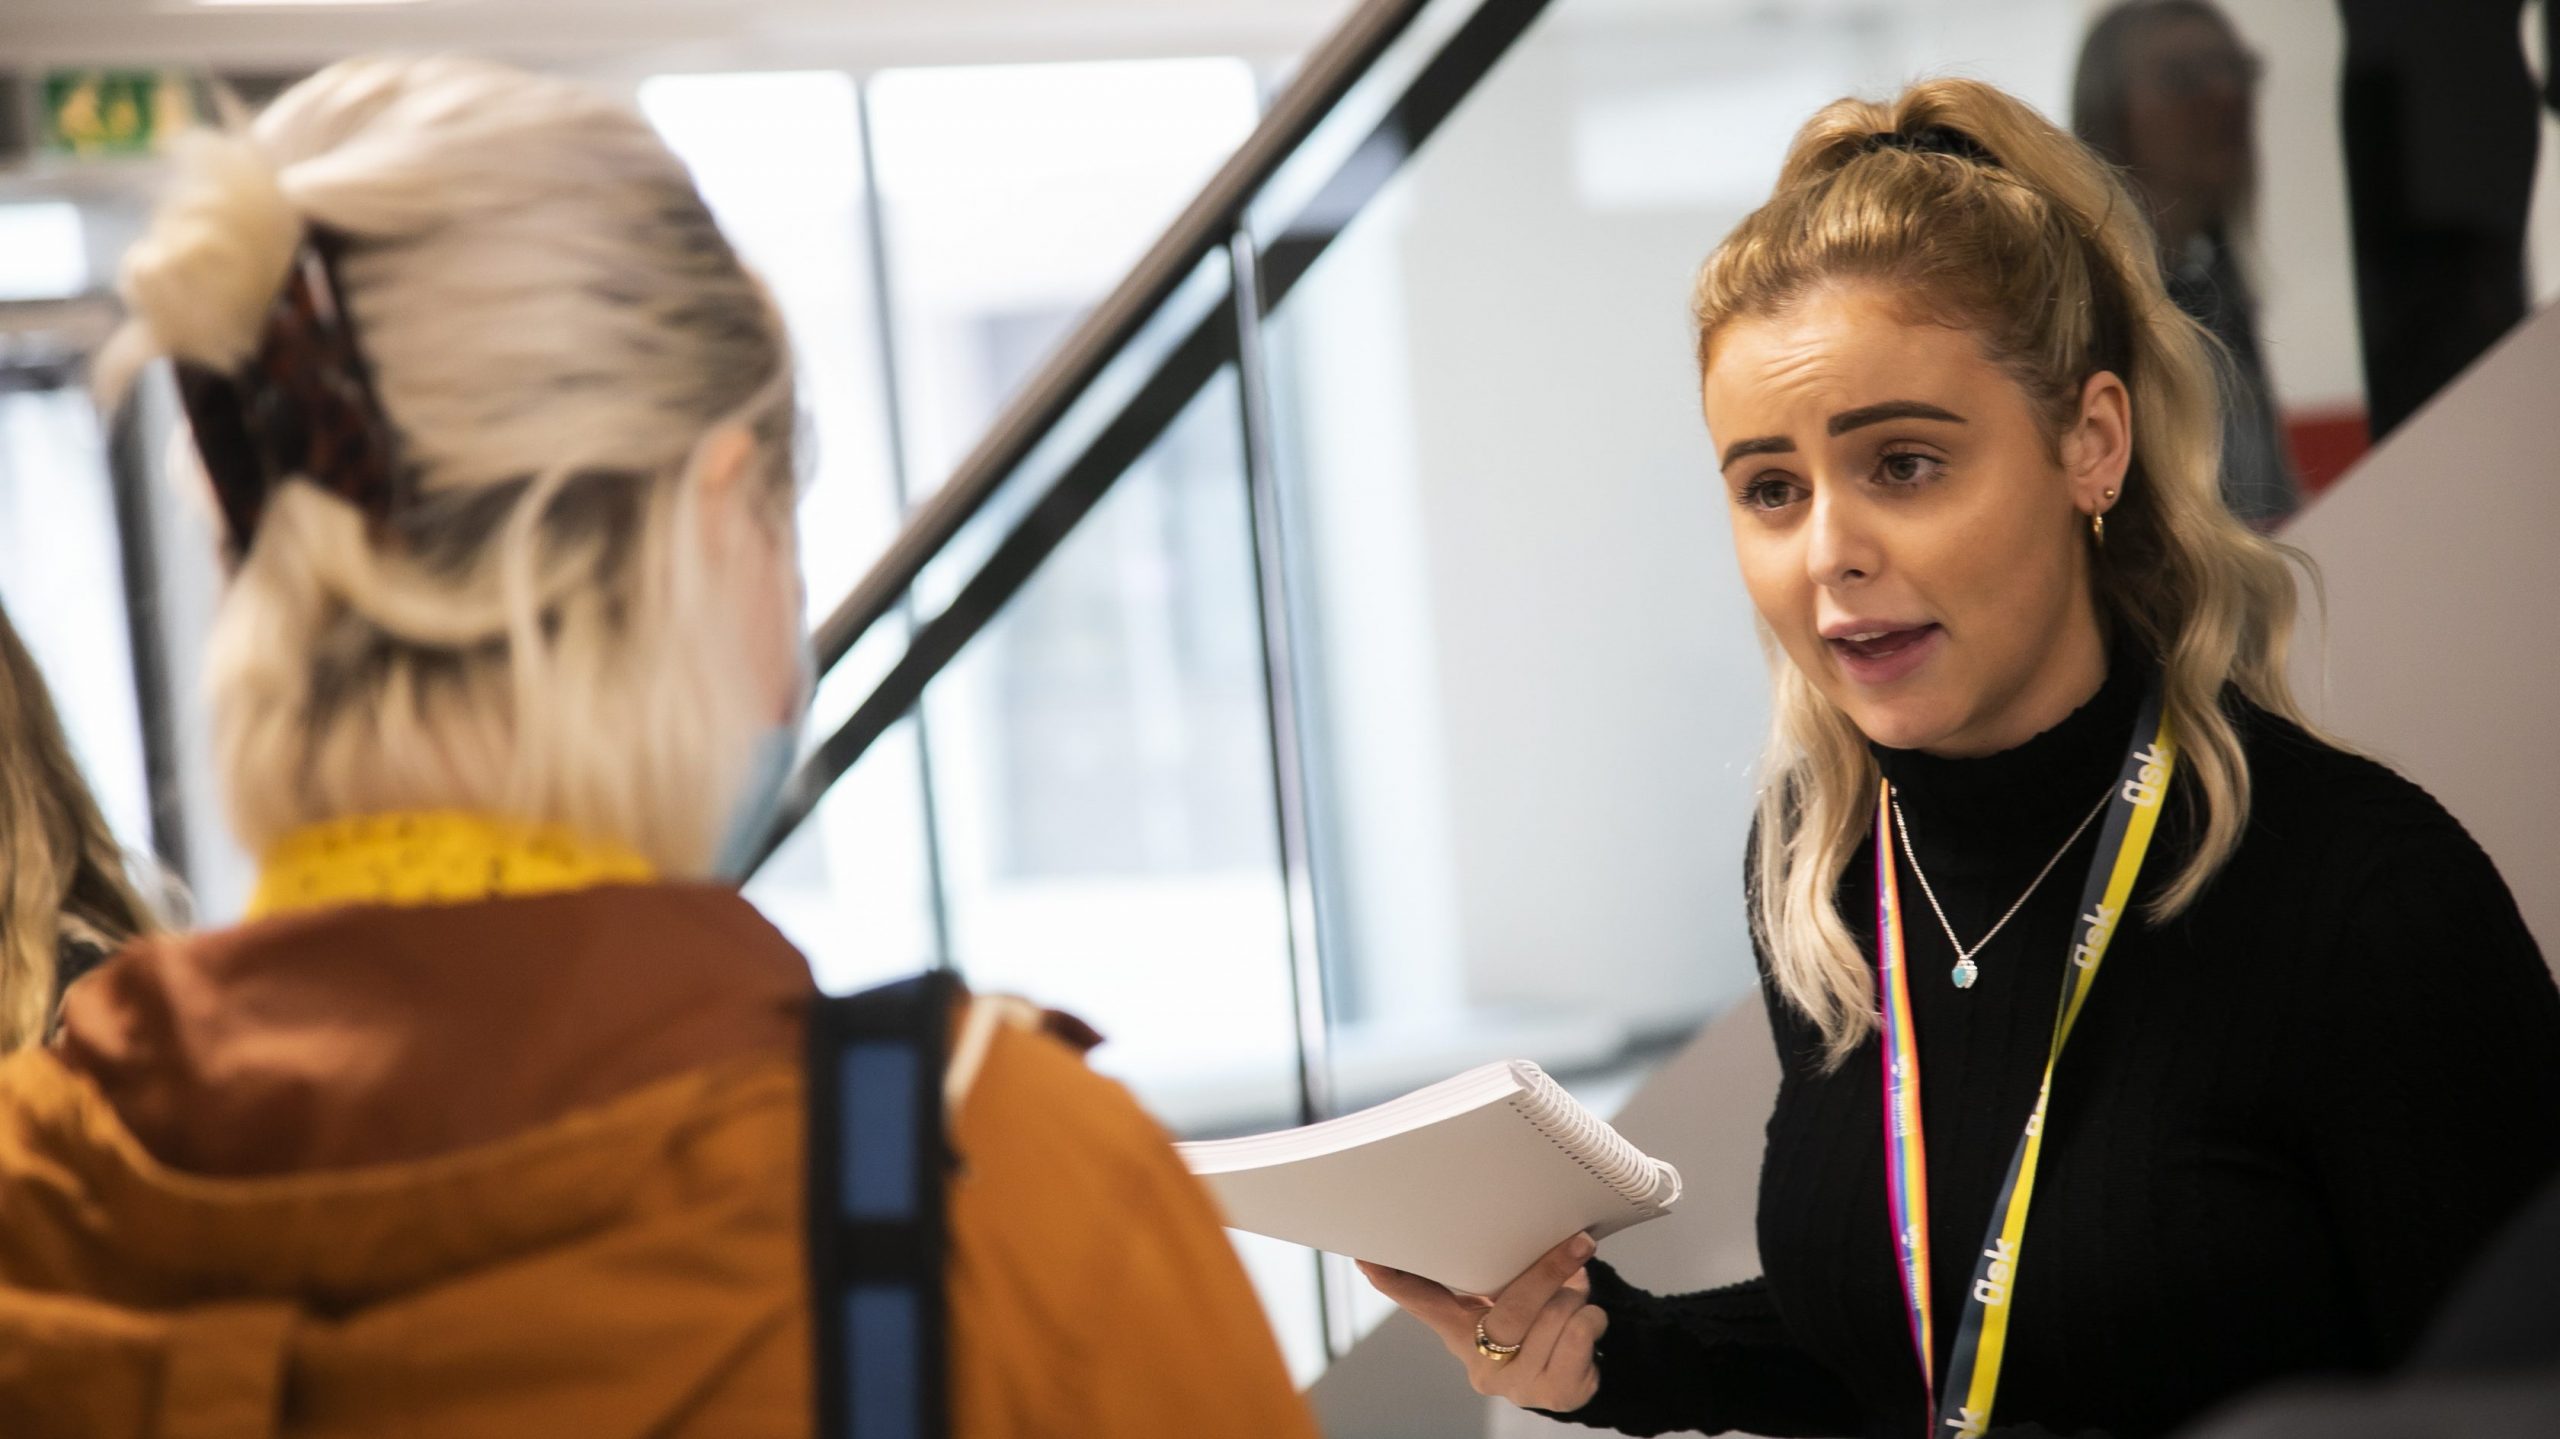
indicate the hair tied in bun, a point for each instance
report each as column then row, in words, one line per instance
column 302, row 407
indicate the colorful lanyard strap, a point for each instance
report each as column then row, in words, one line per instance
column 1963, row 1405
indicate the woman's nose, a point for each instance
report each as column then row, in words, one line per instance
column 1840, row 550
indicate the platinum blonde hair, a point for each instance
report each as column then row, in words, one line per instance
column 2044, row 258
column 556, row 328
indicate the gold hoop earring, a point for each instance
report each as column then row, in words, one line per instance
column 2098, row 530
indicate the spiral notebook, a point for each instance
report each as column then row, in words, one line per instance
column 1467, row 1182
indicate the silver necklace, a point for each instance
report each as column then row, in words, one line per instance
column 1965, row 970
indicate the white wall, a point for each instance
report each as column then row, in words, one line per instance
column 2436, row 654
column 1555, row 666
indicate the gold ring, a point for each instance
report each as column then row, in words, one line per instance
column 1498, row 1353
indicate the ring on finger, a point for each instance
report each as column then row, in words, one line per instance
column 1498, row 1353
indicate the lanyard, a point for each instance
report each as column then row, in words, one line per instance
column 1973, row 1374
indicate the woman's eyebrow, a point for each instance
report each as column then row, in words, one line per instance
column 1847, row 420
column 1765, row 445
column 1841, row 424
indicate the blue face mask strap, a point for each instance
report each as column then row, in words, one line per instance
column 768, row 771
column 877, row 1240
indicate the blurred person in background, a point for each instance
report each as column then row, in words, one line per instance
column 490, row 1118
column 2442, row 123
column 66, row 902
column 2031, row 717
column 2166, row 90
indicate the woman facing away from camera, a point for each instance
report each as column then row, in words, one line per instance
column 65, row 900
column 2212, row 1051
column 489, row 1120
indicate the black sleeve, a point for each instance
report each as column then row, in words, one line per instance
column 1710, row 1361
column 2427, row 1088
column 1716, row 1360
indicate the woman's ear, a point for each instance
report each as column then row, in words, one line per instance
column 751, row 557
column 724, row 455
column 2097, row 450
column 722, row 461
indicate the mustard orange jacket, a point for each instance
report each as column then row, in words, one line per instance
column 533, row 1167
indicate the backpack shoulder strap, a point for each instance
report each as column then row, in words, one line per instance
column 878, row 1159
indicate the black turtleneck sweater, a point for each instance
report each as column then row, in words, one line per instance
column 2284, row 1124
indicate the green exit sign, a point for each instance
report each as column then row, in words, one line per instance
column 114, row 112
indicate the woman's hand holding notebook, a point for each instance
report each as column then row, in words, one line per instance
column 1467, row 1182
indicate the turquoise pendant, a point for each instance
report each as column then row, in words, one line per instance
column 1965, row 973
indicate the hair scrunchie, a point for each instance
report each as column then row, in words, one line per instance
column 1931, row 140
column 302, row 407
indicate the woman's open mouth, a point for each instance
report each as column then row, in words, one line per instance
column 1881, row 656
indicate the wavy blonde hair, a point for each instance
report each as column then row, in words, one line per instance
column 555, row 327
column 62, row 875
column 2035, row 248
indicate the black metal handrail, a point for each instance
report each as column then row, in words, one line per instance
column 1213, row 223
column 1080, row 359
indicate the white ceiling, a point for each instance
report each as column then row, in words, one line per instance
column 634, row 35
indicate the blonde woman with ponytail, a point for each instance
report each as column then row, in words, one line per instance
column 2032, row 727
column 65, row 900
column 489, row 1120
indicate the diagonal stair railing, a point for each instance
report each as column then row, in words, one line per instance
column 1209, row 282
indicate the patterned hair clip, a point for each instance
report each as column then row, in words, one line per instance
column 302, row 408
column 1931, row 140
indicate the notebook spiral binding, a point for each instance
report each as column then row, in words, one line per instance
column 1591, row 1142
